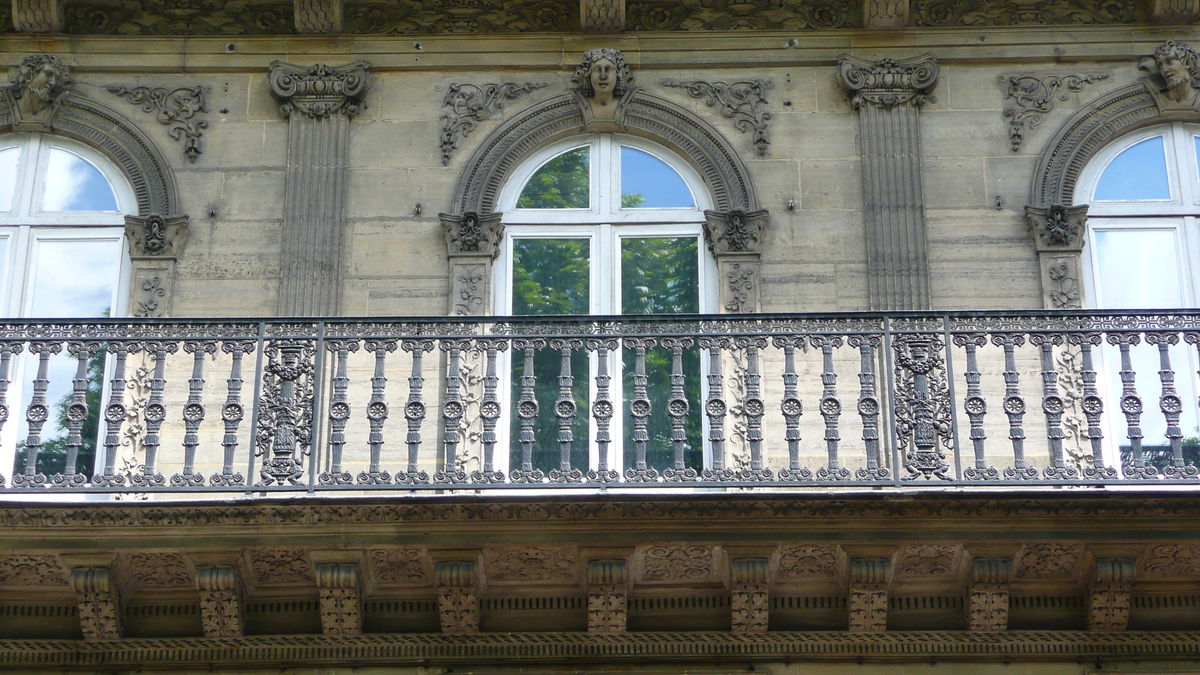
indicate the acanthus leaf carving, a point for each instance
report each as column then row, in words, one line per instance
column 458, row 600
column 734, row 231
column 174, row 108
column 339, row 599
column 466, row 105
column 1111, row 595
column 755, row 14
column 1033, row 96
column 678, row 563
column 749, row 599
column 99, row 603
column 532, row 563
column 156, row 236
column 31, row 569
column 607, row 596
column 940, row 13
column 868, row 600
column 987, row 595
column 743, row 101
column 473, row 233
column 221, row 610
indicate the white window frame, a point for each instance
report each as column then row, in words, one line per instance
column 604, row 223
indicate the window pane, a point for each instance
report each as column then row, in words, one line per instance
column 660, row 275
column 550, row 276
column 73, row 184
column 562, row 183
column 648, row 182
column 1137, row 173
column 8, row 177
column 1137, row 269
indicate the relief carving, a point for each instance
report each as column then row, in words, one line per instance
column 1048, row 560
column 918, row 561
column 319, row 16
column 868, row 599
column 805, row 561
column 1174, row 11
column 99, row 604
column 1064, row 283
column 173, row 108
column 1173, row 560
column 156, row 236
column 184, row 17
column 458, row 602
column 1034, row 96
column 37, row 85
column 608, row 602
column 744, row 102
column 987, row 595
column 725, row 15
column 750, row 600
column 400, row 567
column 460, row 16
column 473, row 234
column 885, row 13
column 31, row 569
column 534, row 563
column 601, row 82
column 159, row 570
column 466, row 105
column 741, row 281
column 319, row 90
column 1111, row 594
column 1174, row 75
column 941, row 13
column 37, row 16
column 678, row 563
column 602, row 16
column 339, row 598
column 277, row 566
column 735, row 231
column 888, row 83
column 221, row 608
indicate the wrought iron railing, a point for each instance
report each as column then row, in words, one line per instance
column 894, row 401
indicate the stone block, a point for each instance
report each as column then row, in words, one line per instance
column 254, row 195
column 830, row 185
column 954, row 183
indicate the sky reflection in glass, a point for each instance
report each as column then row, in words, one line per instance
column 648, row 182
column 1138, row 173
column 73, row 184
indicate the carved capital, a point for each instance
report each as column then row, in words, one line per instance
column 318, row 16
column 607, row 596
column 987, row 595
column 473, row 234
column 155, row 236
column 99, row 603
column 37, row 16
column 320, row 90
column 868, row 599
column 734, row 231
column 750, row 599
column 1110, row 594
column 1057, row 227
column 221, row 609
column 458, row 599
column 1174, row 11
column 885, row 13
column 341, row 602
column 602, row 16
column 887, row 83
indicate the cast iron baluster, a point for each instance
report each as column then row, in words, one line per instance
column 232, row 412
column 716, row 408
column 527, row 412
column 1170, row 404
column 602, row 410
column 1131, row 406
column 754, row 409
column 791, row 407
column 639, row 410
column 677, row 410
column 193, row 413
column 868, row 406
column 36, row 414
column 414, row 413
column 114, row 416
column 1053, row 406
column 564, row 410
column 831, row 408
column 77, row 412
column 7, row 349
column 976, row 407
column 284, row 433
column 339, row 413
column 922, row 406
column 154, row 414
column 453, row 411
column 1014, row 407
column 377, row 413
column 1092, row 406
column 489, row 411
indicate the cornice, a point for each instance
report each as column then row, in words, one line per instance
column 435, row 649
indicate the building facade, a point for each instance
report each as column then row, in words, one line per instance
column 575, row 335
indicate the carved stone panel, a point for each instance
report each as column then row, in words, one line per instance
column 545, row 564
column 868, row 601
column 458, row 599
column 37, row 16
column 400, row 567
column 279, row 566
column 602, row 16
column 1172, row 560
column 31, row 569
column 99, row 603
column 924, row 561
column 678, row 562
column 159, row 570
column 1048, row 560
column 318, row 16
column 885, row 13
column 1110, row 595
column 987, row 595
column 798, row 562
column 221, row 609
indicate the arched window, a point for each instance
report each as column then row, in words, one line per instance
column 604, row 225
column 1142, row 251
column 62, row 255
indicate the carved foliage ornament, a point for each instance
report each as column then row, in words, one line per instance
column 466, row 105
column 30, row 569
column 181, row 17
column 472, row 233
column 159, row 570
column 678, row 563
column 920, row 561
column 220, row 601
column 940, row 13
column 99, row 604
column 1048, row 561
column 1032, row 96
column 174, row 108
column 400, row 566
column 754, row 14
column 279, row 565
column 156, row 236
column 1057, row 226
column 535, row 563
column 320, row 90
column 744, row 102
column 1173, row 560
column 888, row 83
column 462, row 16
column 805, row 561
column 735, row 231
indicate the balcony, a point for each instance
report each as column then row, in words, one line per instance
column 846, row 402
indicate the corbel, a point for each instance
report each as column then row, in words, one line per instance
column 458, row 596
column 608, row 595
column 155, row 242
column 750, row 598
column 318, row 16
column 987, row 594
column 868, row 600
column 222, row 609
column 884, row 14
column 1110, row 594
column 99, row 603
column 602, row 16
column 340, row 598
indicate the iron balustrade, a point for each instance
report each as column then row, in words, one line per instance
column 895, row 401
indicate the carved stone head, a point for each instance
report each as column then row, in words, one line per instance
column 602, row 75
column 39, row 80
column 1179, row 66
